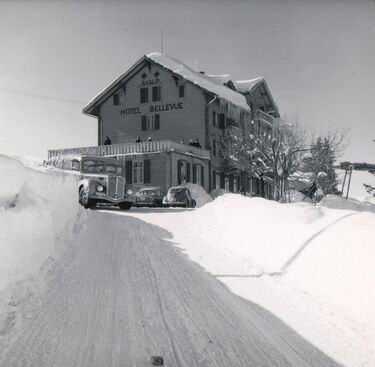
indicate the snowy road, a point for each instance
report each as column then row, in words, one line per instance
column 120, row 295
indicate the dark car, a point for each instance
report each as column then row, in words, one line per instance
column 149, row 196
column 179, row 196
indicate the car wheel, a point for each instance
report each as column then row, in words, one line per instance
column 193, row 203
column 126, row 205
column 84, row 199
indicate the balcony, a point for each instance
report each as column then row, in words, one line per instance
column 133, row 148
column 264, row 117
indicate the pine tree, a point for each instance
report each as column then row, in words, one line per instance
column 324, row 151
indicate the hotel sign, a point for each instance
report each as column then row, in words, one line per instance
column 153, row 108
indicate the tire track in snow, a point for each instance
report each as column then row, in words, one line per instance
column 122, row 294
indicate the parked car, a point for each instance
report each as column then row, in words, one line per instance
column 149, row 196
column 179, row 196
column 100, row 179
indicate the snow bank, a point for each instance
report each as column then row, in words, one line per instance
column 338, row 202
column 250, row 229
column 312, row 266
column 38, row 209
column 199, row 194
column 218, row 192
column 13, row 174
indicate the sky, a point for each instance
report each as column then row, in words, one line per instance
column 318, row 58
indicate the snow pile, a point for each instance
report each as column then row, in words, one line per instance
column 199, row 194
column 312, row 266
column 338, row 202
column 13, row 174
column 39, row 208
column 250, row 229
column 218, row 192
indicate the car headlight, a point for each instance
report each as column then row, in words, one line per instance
column 99, row 188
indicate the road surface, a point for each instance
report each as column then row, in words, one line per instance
column 122, row 293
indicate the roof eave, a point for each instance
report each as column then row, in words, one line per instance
column 101, row 97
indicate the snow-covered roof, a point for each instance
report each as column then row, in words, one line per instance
column 246, row 86
column 234, row 101
column 199, row 79
column 222, row 79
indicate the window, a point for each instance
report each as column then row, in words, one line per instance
column 181, row 91
column 144, row 95
column 222, row 121
column 138, row 172
column 156, row 94
column 150, row 122
column 215, row 119
column 75, row 165
column 116, row 99
column 198, row 174
column 214, row 147
column 67, row 164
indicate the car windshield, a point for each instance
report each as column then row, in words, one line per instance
column 177, row 193
column 147, row 193
column 96, row 166
column 112, row 168
column 174, row 191
column 92, row 166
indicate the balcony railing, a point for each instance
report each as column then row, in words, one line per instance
column 265, row 117
column 132, row 148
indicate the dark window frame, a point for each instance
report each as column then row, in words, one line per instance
column 144, row 95
column 181, row 91
column 156, row 93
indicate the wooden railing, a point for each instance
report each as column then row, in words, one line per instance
column 260, row 115
column 131, row 148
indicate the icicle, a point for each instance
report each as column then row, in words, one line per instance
column 233, row 111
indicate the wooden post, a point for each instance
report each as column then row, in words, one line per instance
column 350, row 177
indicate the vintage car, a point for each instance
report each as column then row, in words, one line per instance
column 100, row 180
column 179, row 196
column 149, row 196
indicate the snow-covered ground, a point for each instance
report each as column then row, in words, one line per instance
column 356, row 189
column 311, row 266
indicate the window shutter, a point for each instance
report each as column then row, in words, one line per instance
column 222, row 121
column 129, row 171
column 181, row 91
column 157, row 122
column 195, row 167
column 146, row 171
column 214, row 179
column 187, row 172
column 202, row 176
column 231, row 183
column 144, row 124
column 179, row 165
column 222, row 180
column 144, row 95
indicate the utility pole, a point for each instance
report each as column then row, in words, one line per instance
column 161, row 40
